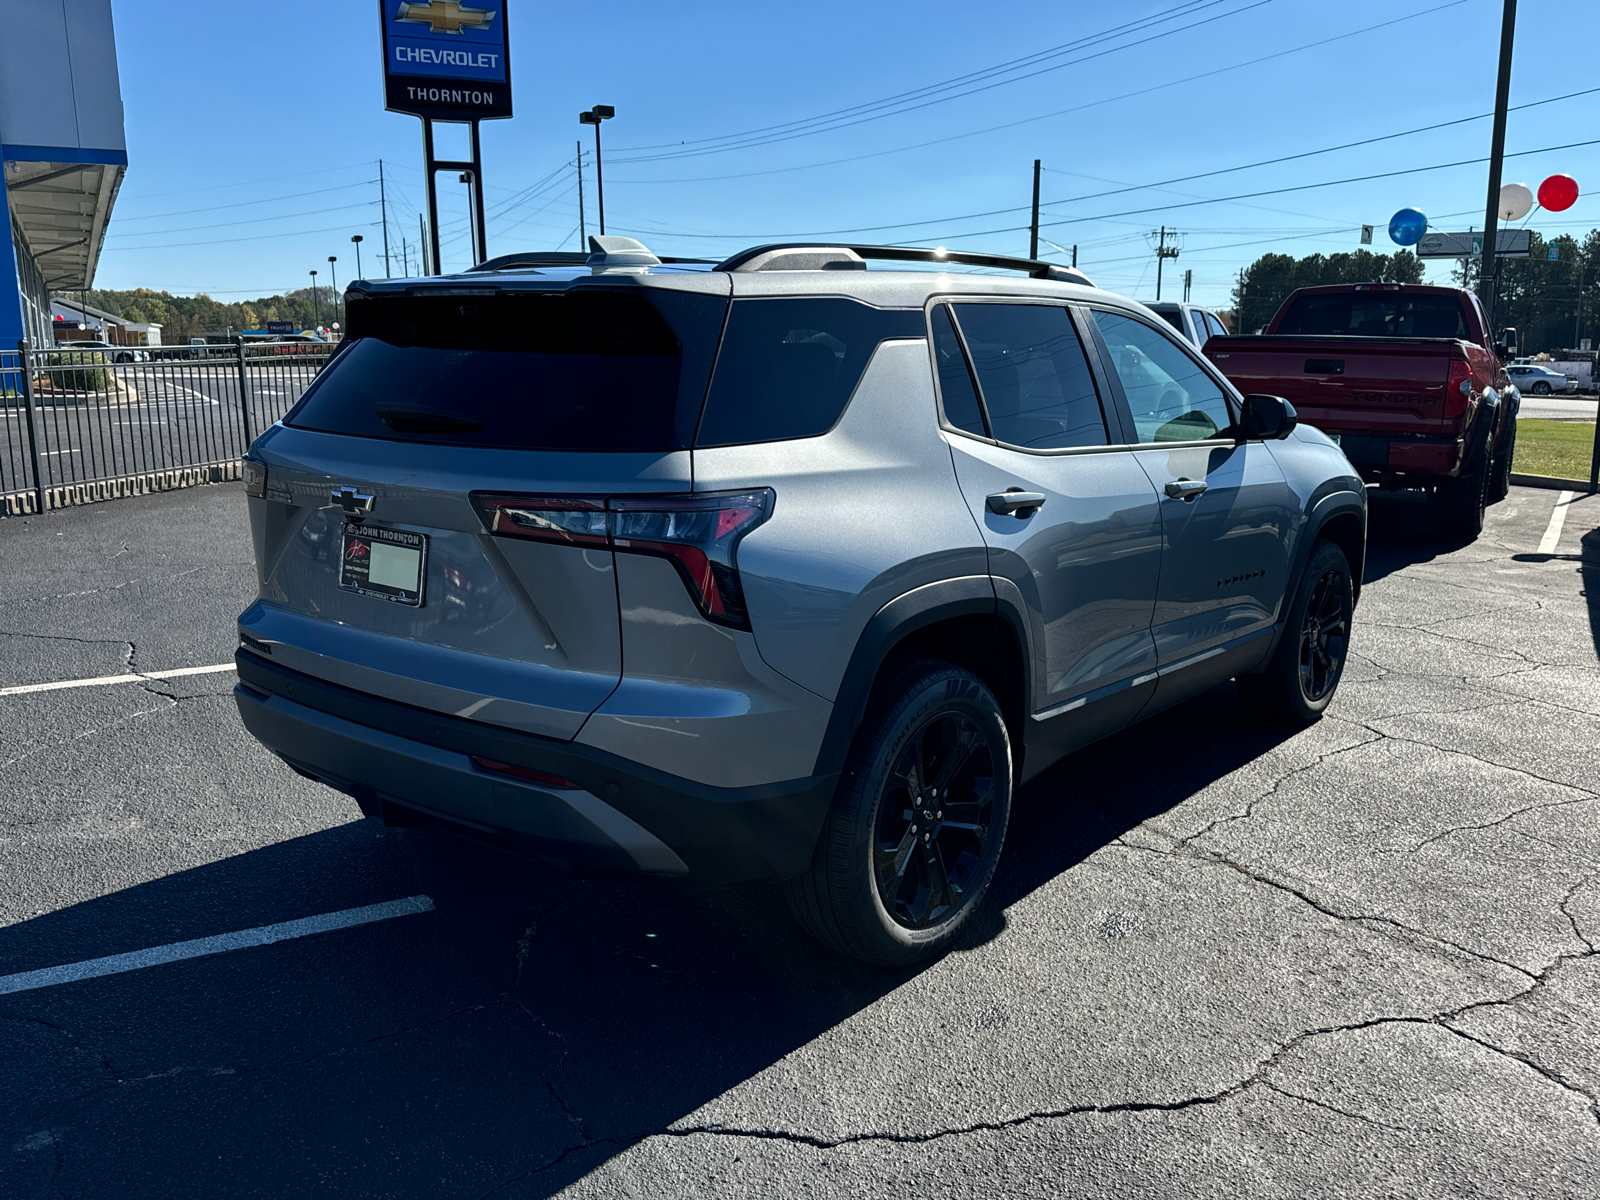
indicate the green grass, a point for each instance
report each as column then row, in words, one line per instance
column 1559, row 448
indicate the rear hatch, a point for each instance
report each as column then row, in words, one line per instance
column 1346, row 384
column 377, row 569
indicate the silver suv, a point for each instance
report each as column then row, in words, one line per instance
column 777, row 567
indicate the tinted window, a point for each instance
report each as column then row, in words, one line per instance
column 1172, row 316
column 1171, row 397
column 584, row 370
column 787, row 367
column 1036, row 384
column 1214, row 327
column 960, row 398
column 1376, row 314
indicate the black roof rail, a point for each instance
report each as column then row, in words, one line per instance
column 555, row 258
column 1034, row 267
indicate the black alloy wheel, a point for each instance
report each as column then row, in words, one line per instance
column 1324, row 636
column 932, row 828
column 1296, row 685
column 917, row 823
column 1542, row 388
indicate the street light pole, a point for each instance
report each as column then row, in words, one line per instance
column 356, row 238
column 316, row 310
column 333, row 291
column 600, row 112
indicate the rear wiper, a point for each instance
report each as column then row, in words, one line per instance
column 420, row 420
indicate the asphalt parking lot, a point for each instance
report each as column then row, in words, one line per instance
column 1218, row 960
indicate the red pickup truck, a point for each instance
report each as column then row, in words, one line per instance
column 1404, row 376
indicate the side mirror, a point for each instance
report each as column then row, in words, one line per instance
column 1507, row 347
column 1270, row 418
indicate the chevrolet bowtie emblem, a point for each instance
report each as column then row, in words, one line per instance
column 353, row 502
column 445, row 16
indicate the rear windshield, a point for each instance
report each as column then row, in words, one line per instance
column 1376, row 314
column 581, row 370
column 787, row 367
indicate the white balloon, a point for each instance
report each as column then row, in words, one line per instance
column 1516, row 201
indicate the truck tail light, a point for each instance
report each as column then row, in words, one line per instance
column 698, row 534
column 1458, row 389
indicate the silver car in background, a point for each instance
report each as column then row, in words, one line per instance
column 778, row 567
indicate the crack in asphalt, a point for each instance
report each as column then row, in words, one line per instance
column 1501, row 820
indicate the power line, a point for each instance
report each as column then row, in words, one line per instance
column 1058, row 112
column 921, row 93
column 311, row 212
column 846, row 124
column 261, row 238
column 184, row 212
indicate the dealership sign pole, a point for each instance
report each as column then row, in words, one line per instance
column 445, row 61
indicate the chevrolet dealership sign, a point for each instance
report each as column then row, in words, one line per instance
column 446, row 61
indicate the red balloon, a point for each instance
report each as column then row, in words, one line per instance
column 1558, row 193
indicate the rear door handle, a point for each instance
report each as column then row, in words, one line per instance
column 1185, row 489
column 1016, row 502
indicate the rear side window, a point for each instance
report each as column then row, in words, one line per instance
column 1173, row 317
column 955, row 381
column 1035, row 380
column 580, row 370
column 1376, row 314
column 787, row 367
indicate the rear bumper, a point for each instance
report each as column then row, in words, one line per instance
column 413, row 766
column 1386, row 459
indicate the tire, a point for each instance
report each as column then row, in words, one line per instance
column 1304, row 672
column 1500, row 477
column 894, row 879
column 1540, row 389
column 1458, row 504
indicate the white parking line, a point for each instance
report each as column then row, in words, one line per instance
column 261, row 935
column 1552, row 532
column 102, row 680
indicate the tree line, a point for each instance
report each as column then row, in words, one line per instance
column 183, row 317
column 1552, row 303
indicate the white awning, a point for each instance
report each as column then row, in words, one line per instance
column 61, row 209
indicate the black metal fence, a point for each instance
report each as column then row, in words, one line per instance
column 80, row 425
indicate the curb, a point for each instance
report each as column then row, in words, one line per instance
column 1550, row 481
column 25, row 503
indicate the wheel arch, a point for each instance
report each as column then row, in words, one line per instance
column 960, row 621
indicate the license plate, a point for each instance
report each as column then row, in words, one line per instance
column 387, row 563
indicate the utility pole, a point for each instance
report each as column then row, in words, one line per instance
column 1074, row 254
column 583, row 234
column 1163, row 252
column 1489, row 271
column 422, row 247
column 1033, row 228
column 383, row 208
column 1188, row 279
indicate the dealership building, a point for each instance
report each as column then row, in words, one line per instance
column 62, row 154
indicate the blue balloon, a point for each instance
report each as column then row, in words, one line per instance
column 1407, row 226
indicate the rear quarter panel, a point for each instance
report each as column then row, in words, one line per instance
column 864, row 513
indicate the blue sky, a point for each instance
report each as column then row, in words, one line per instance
column 254, row 132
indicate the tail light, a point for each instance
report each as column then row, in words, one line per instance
column 255, row 477
column 1458, row 390
column 698, row 534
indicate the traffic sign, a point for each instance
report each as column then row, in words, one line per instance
column 1509, row 243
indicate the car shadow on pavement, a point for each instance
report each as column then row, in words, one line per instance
column 525, row 1031
column 1401, row 533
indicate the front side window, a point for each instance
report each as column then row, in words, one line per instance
column 1034, row 376
column 1171, row 397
